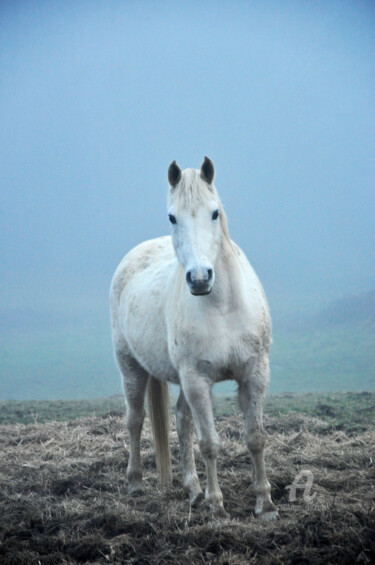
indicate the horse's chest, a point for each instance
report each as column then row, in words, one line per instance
column 225, row 343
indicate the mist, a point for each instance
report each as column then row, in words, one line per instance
column 97, row 98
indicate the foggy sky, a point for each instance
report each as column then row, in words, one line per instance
column 97, row 98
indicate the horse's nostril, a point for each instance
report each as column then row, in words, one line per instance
column 209, row 274
column 188, row 277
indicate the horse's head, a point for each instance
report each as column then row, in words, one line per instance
column 195, row 211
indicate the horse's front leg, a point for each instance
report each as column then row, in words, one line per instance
column 197, row 390
column 185, row 430
column 251, row 397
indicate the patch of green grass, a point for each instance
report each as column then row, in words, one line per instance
column 341, row 358
column 72, row 362
column 348, row 411
column 29, row 411
column 354, row 411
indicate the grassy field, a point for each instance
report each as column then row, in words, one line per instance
column 64, row 497
column 333, row 358
column 350, row 411
column 72, row 361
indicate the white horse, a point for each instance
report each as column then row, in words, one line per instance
column 190, row 310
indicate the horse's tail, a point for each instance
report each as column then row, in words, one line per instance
column 158, row 405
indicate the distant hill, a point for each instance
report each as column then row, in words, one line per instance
column 348, row 311
column 331, row 349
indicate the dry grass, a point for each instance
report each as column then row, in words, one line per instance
column 64, row 497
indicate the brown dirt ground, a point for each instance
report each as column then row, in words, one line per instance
column 64, row 497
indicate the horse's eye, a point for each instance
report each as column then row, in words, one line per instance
column 172, row 219
column 215, row 215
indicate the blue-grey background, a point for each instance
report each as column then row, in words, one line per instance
column 97, row 98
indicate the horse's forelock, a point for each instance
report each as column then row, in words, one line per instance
column 191, row 189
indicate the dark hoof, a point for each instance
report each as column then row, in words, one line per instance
column 136, row 490
column 219, row 513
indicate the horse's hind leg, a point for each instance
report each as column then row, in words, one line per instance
column 251, row 398
column 135, row 381
column 185, row 430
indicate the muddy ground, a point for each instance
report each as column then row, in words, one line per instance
column 64, row 497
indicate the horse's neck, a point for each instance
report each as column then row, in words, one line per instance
column 228, row 272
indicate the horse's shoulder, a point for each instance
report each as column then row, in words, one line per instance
column 138, row 259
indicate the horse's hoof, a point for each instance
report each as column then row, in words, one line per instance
column 219, row 513
column 196, row 499
column 269, row 516
column 136, row 490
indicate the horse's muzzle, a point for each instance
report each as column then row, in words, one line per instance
column 200, row 281
column 201, row 292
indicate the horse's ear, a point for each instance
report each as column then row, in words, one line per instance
column 174, row 174
column 207, row 170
